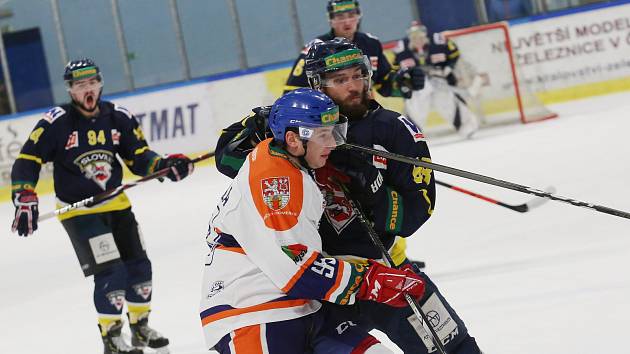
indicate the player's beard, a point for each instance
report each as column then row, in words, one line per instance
column 354, row 110
column 89, row 101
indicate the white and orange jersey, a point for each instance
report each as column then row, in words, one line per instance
column 265, row 262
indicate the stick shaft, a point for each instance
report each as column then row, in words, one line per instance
column 413, row 303
column 110, row 193
column 488, row 180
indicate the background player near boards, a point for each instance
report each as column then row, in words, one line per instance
column 438, row 58
column 344, row 17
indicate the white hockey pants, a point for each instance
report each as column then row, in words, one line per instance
column 438, row 95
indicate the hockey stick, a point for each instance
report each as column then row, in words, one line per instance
column 413, row 303
column 521, row 208
column 110, row 193
column 485, row 179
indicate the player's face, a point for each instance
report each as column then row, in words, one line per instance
column 85, row 93
column 350, row 94
column 317, row 153
column 345, row 24
column 418, row 39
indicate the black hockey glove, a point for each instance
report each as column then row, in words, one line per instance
column 410, row 79
column 26, row 212
column 257, row 125
column 180, row 166
column 256, row 130
column 366, row 184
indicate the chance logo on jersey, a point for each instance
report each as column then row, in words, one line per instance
column 276, row 192
column 96, row 165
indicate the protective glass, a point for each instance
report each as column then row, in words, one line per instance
column 342, row 79
column 93, row 83
column 327, row 136
column 348, row 16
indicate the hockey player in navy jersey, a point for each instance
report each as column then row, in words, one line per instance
column 266, row 275
column 344, row 17
column 437, row 56
column 398, row 198
column 84, row 140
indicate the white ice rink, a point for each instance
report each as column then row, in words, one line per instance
column 554, row 280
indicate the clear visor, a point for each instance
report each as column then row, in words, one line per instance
column 327, row 136
column 89, row 84
column 341, row 78
column 347, row 16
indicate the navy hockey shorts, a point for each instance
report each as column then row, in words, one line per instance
column 104, row 240
column 318, row 333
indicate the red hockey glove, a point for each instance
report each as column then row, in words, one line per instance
column 179, row 164
column 388, row 285
column 26, row 212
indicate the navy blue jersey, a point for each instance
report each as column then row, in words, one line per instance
column 83, row 151
column 369, row 45
column 410, row 197
column 410, row 190
column 438, row 52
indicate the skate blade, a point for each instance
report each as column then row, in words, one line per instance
column 163, row 350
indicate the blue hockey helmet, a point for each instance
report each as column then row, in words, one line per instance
column 333, row 55
column 80, row 69
column 339, row 6
column 312, row 114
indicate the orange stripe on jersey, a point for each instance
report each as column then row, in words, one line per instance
column 261, row 307
column 231, row 249
column 337, row 281
column 276, row 186
column 247, row 340
column 299, row 273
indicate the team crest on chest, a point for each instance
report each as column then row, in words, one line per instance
column 337, row 208
column 96, row 165
column 276, row 192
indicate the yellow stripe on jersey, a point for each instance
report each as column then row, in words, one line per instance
column 118, row 203
column 425, row 193
column 30, row 157
column 141, row 150
column 398, row 250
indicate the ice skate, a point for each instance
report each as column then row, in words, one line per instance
column 144, row 336
column 114, row 342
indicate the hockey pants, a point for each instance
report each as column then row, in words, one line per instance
column 438, row 95
column 318, row 333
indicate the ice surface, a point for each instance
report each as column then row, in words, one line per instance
column 553, row 280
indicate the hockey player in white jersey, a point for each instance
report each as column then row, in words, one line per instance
column 437, row 56
column 265, row 274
